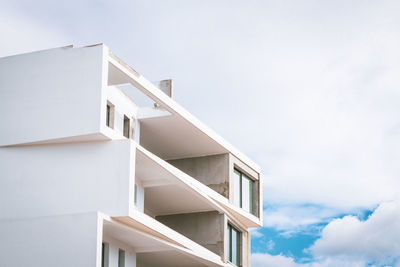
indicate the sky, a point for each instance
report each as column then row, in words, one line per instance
column 308, row 89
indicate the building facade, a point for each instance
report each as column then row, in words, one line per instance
column 100, row 167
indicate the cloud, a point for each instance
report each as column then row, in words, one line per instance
column 349, row 241
column 318, row 102
column 316, row 93
column 296, row 217
column 21, row 34
column 268, row 260
column 255, row 233
column 264, row 260
column 375, row 240
column 270, row 245
column 308, row 89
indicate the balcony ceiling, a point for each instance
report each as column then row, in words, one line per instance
column 166, row 259
column 164, row 192
column 171, row 137
column 151, row 251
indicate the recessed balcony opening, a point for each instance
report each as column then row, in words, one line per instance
column 137, row 245
column 168, row 199
column 163, row 131
column 163, row 192
column 117, row 77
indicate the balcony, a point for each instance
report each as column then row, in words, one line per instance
column 174, row 135
column 182, row 203
column 154, row 244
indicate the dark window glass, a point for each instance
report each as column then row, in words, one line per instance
column 229, row 253
column 121, row 258
column 104, row 255
column 108, row 115
column 234, row 239
column 127, row 126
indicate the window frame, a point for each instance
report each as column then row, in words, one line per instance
column 242, row 175
column 110, row 113
column 105, row 250
column 230, row 229
column 121, row 257
column 126, row 131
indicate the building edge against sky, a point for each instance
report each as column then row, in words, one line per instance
column 99, row 167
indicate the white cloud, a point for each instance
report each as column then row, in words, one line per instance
column 270, row 245
column 292, row 218
column 21, row 34
column 349, row 241
column 267, row 260
column 375, row 240
column 318, row 100
column 314, row 85
column 255, row 233
column 309, row 89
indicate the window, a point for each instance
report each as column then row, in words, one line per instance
column 121, row 258
column 110, row 115
column 135, row 195
column 243, row 188
column 127, row 126
column 234, row 243
column 104, row 255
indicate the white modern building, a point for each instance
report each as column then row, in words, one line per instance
column 100, row 167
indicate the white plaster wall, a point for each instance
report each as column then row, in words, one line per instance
column 140, row 198
column 67, row 178
column 62, row 241
column 50, row 94
column 137, row 131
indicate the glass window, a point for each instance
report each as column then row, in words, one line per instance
column 229, row 252
column 235, row 251
column 110, row 115
column 246, row 193
column 243, row 188
column 104, row 255
column 127, row 126
column 121, row 258
column 234, row 245
column 236, row 188
column 135, row 195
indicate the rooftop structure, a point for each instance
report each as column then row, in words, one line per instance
column 100, row 167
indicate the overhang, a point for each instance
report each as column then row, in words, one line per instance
column 178, row 135
column 171, row 191
column 155, row 243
